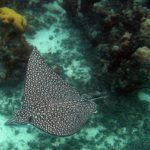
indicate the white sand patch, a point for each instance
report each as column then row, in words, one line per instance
column 76, row 71
column 48, row 40
column 144, row 96
column 91, row 133
column 8, row 135
column 43, row 42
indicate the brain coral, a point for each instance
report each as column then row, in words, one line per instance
column 9, row 16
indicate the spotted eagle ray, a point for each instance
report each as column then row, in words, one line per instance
column 49, row 103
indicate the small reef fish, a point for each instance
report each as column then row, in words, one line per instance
column 49, row 103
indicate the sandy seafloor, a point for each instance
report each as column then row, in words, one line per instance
column 64, row 44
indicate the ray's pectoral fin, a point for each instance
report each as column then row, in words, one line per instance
column 21, row 116
column 49, row 103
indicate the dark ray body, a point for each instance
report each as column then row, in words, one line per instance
column 49, row 103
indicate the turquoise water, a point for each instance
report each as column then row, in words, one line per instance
column 99, row 47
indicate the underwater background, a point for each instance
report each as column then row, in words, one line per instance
column 100, row 47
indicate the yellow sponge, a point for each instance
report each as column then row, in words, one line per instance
column 9, row 16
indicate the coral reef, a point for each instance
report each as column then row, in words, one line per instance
column 15, row 50
column 145, row 31
column 117, row 35
column 14, row 55
column 9, row 16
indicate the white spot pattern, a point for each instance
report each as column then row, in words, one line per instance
column 50, row 103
